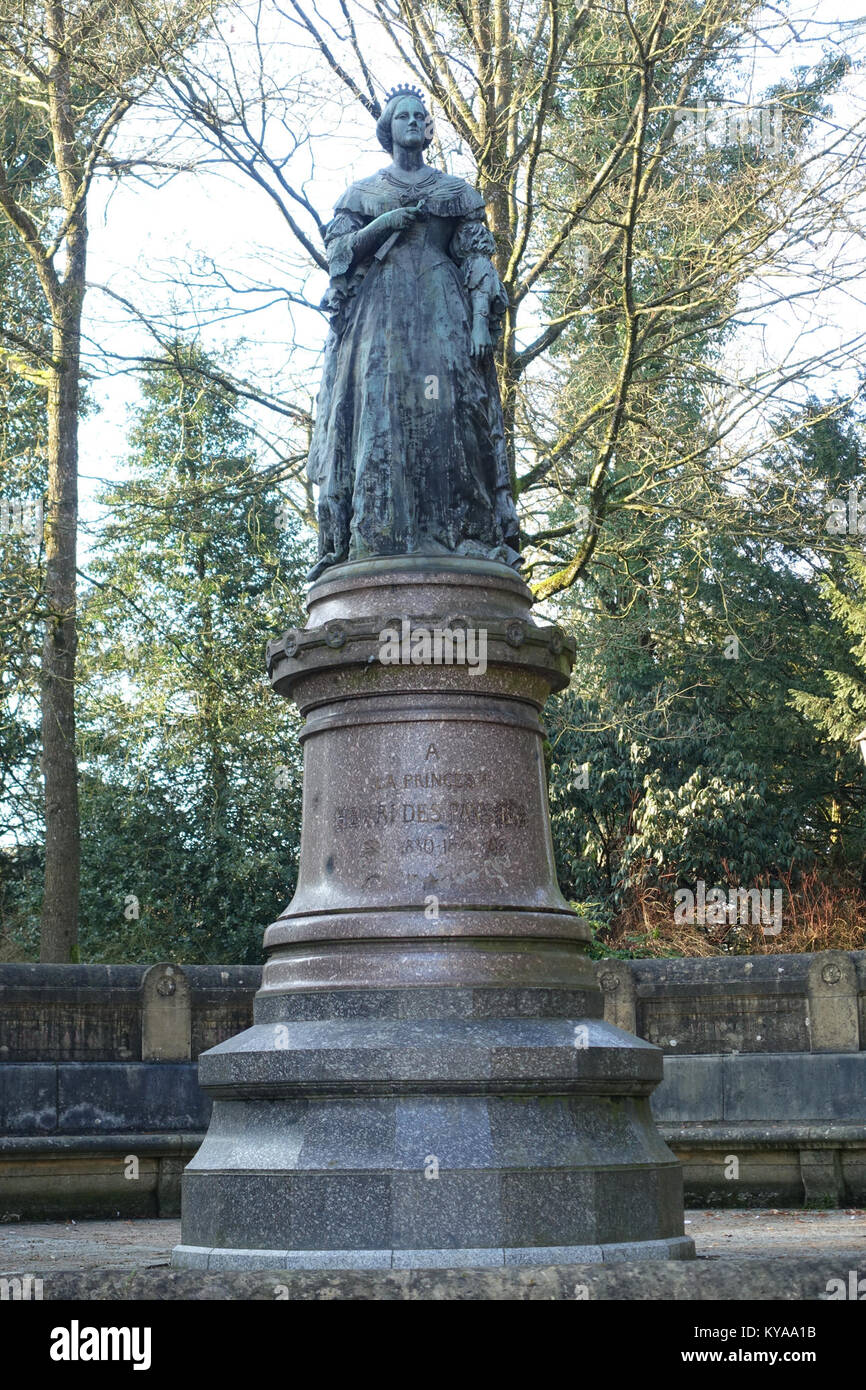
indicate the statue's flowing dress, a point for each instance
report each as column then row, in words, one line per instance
column 408, row 447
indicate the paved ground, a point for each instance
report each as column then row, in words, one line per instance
column 36, row 1249
column 761, row 1234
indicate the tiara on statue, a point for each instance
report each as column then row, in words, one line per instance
column 405, row 89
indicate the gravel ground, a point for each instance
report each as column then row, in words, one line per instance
column 36, row 1248
column 758, row 1235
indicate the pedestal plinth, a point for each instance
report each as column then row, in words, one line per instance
column 428, row 1081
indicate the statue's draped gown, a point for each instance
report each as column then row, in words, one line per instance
column 408, row 448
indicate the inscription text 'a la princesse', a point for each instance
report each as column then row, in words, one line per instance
column 430, row 780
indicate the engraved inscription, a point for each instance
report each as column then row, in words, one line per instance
column 483, row 815
column 436, row 828
column 429, row 780
column 365, row 817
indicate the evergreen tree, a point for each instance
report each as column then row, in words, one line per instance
column 683, row 750
column 190, row 764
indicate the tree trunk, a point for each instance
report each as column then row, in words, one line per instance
column 59, row 762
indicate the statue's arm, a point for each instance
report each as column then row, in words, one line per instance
column 368, row 240
column 472, row 248
column 351, row 239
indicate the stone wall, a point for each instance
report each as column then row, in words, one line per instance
column 764, row 1096
column 115, row 1013
column 741, row 1004
column 710, row 1005
column 100, row 1107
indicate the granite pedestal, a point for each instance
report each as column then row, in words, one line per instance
column 428, row 1081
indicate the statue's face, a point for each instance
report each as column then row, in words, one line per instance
column 409, row 124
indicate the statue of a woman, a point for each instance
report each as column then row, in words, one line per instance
column 408, row 448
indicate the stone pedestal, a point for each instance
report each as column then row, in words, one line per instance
column 429, row 1080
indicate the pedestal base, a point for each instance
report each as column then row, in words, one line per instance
column 386, row 1141
column 199, row 1257
column 428, row 1082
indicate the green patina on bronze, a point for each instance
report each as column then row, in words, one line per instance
column 408, row 449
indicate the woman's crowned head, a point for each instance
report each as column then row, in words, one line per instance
column 394, row 102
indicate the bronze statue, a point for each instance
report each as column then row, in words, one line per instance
column 408, row 448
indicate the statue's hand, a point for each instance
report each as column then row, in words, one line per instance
column 481, row 343
column 399, row 219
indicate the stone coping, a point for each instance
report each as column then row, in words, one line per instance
column 744, row 1281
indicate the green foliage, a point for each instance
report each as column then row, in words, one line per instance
column 708, row 730
column 190, row 765
column 160, row 883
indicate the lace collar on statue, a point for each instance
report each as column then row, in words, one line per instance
column 445, row 195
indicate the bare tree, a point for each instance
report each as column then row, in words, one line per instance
column 71, row 70
column 649, row 210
